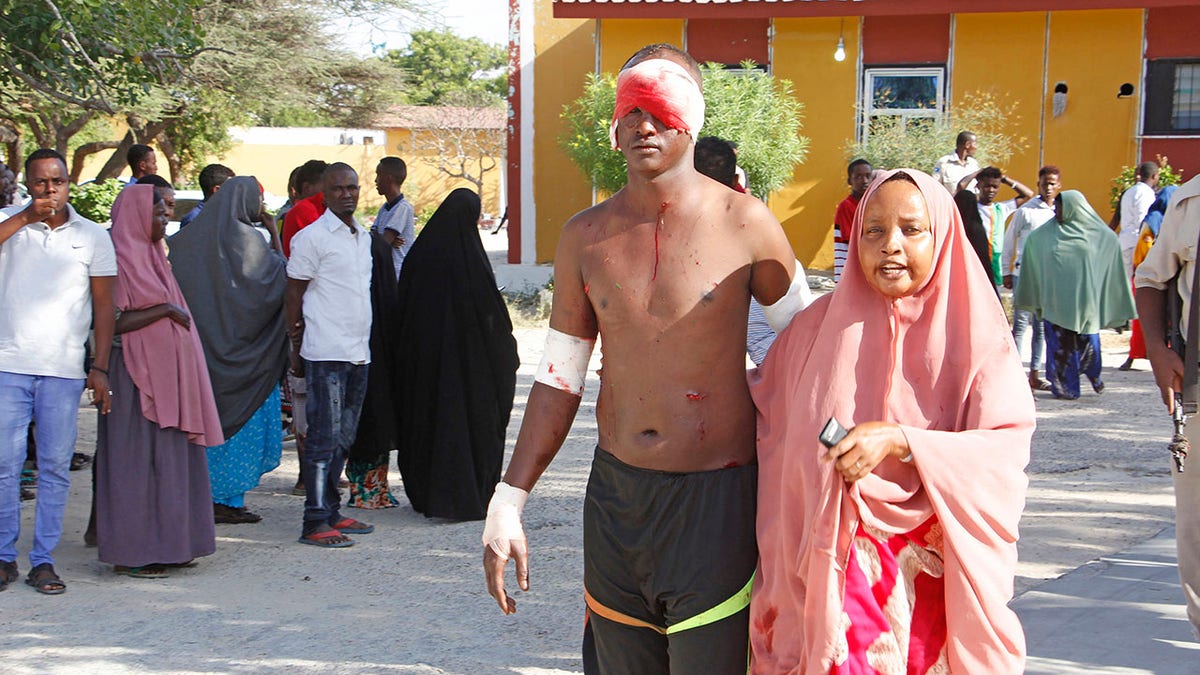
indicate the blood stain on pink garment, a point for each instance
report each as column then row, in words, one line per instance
column 764, row 624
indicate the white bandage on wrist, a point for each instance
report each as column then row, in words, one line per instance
column 780, row 314
column 503, row 524
column 564, row 362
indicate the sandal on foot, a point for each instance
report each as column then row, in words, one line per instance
column 8, row 573
column 352, row 526
column 181, row 565
column 80, row 460
column 45, row 581
column 231, row 515
column 326, row 539
column 143, row 572
column 299, row 490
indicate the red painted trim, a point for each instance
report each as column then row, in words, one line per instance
column 1171, row 33
column 906, row 39
column 761, row 9
column 1182, row 153
column 729, row 41
column 513, row 153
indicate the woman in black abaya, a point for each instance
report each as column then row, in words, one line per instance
column 457, row 366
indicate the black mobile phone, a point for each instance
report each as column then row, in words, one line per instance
column 832, row 433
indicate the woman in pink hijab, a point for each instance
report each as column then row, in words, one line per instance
column 153, row 500
column 893, row 551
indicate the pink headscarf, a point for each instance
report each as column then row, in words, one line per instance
column 164, row 359
column 664, row 89
column 940, row 363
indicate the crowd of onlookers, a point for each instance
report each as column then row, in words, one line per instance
column 202, row 348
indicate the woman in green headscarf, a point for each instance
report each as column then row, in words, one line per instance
column 1072, row 277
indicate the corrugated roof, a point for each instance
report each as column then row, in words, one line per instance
column 441, row 117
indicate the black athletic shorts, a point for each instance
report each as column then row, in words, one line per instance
column 668, row 563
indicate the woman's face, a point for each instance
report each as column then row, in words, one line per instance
column 895, row 248
column 158, row 221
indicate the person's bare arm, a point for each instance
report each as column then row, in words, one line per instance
column 103, row 318
column 38, row 210
column 774, row 261
column 1024, row 194
column 1166, row 364
column 549, row 412
column 135, row 319
column 966, row 180
column 293, row 312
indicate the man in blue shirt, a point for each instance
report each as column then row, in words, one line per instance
column 211, row 179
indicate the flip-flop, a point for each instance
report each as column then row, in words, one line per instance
column 143, row 571
column 8, row 574
column 180, row 565
column 322, row 539
column 352, row 526
column 45, row 581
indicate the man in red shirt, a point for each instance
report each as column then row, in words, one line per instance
column 310, row 203
column 858, row 177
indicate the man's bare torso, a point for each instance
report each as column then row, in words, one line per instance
column 670, row 298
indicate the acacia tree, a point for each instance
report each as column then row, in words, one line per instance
column 460, row 142
column 445, row 69
column 749, row 107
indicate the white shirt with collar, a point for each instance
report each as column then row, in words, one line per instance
column 336, row 263
column 1032, row 215
column 46, row 293
column 950, row 169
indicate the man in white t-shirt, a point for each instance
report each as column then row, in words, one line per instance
column 1032, row 215
column 57, row 272
column 951, row 168
column 328, row 307
column 1135, row 204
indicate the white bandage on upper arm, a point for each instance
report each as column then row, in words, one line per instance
column 564, row 362
column 780, row 314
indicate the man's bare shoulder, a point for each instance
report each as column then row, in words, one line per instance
column 583, row 220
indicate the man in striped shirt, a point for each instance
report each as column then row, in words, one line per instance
column 858, row 177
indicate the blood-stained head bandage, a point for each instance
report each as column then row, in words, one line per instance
column 664, row 89
column 564, row 362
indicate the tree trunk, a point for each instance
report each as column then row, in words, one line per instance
column 116, row 162
column 174, row 164
column 83, row 152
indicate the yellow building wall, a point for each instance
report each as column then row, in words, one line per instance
column 803, row 53
column 1003, row 54
column 272, row 164
column 1094, row 52
column 620, row 38
column 565, row 52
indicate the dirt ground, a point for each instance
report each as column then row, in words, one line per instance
column 410, row 598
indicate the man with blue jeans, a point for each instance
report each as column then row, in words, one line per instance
column 1032, row 215
column 57, row 271
column 328, row 306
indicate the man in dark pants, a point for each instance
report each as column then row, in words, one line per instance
column 328, row 306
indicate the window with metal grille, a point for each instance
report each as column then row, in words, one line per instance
column 1172, row 97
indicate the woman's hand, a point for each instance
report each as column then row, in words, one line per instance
column 179, row 315
column 865, row 447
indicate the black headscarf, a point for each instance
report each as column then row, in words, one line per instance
column 458, row 365
column 377, row 423
column 977, row 234
column 233, row 283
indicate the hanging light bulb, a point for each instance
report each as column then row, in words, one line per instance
column 839, row 54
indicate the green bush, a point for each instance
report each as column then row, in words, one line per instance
column 1166, row 176
column 921, row 142
column 94, row 200
column 751, row 108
